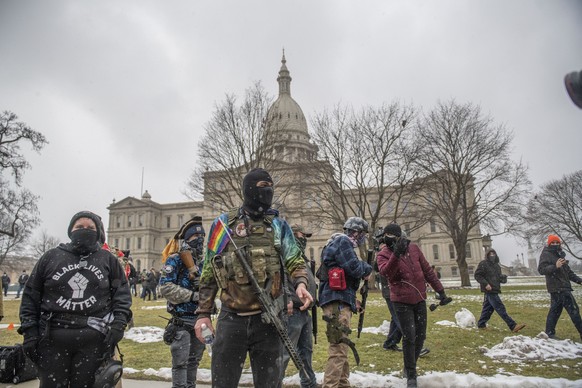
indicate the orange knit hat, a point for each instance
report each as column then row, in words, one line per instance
column 553, row 238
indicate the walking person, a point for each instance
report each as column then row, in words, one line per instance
column 266, row 242
column 340, row 273
column 75, row 307
column 5, row 283
column 22, row 279
column 489, row 276
column 179, row 284
column 394, row 332
column 554, row 266
column 299, row 322
column 407, row 270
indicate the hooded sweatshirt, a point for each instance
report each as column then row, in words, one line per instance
column 489, row 272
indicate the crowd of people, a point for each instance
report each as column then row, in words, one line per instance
column 255, row 262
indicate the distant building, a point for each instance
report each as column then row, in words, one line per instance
column 145, row 226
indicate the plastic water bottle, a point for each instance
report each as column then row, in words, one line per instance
column 208, row 338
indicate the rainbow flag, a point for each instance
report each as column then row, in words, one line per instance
column 219, row 238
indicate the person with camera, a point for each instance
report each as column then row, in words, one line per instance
column 554, row 266
column 75, row 307
column 407, row 271
column 179, row 285
column 489, row 276
column 340, row 273
column 394, row 332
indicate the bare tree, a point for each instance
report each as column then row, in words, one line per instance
column 368, row 172
column 236, row 140
column 557, row 209
column 44, row 243
column 18, row 210
column 466, row 157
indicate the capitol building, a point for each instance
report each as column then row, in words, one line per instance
column 145, row 226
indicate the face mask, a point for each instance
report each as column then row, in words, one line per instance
column 302, row 242
column 361, row 239
column 197, row 245
column 84, row 240
column 494, row 258
column 265, row 196
column 554, row 248
column 389, row 241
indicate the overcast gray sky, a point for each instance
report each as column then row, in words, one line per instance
column 117, row 86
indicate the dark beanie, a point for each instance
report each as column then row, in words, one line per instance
column 393, row 229
column 96, row 219
column 192, row 230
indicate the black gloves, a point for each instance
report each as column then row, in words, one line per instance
column 444, row 299
column 30, row 344
column 115, row 333
column 401, row 246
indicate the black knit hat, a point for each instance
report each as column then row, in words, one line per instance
column 393, row 229
column 96, row 219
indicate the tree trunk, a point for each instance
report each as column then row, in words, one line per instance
column 464, row 272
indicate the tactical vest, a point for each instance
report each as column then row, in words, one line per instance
column 258, row 239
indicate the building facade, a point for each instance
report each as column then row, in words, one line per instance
column 145, row 227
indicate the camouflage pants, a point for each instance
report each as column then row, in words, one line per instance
column 337, row 370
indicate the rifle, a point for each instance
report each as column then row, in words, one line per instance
column 270, row 314
column 314, row 308
column 364, row 292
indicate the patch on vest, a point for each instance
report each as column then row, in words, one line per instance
column 168, row 268
column 241, row 230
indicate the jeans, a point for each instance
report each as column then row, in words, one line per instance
column 412, row 318
column 186, row 352
column 492, row 302
column 395, row 332
column 20, row 288
column 562, row 300
column 299, row 327
column 238, row 335
column 5, row 289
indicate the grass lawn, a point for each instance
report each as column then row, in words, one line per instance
column 452, row 348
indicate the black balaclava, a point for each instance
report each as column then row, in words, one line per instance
column 392, row 229
column 257, row 200
column 85, row 241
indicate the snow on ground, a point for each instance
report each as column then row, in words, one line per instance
column 520, row 348
column 465, row 318
column 517, row 348
column 373, row 380
column 144, row 334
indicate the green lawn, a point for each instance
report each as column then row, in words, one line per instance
column 452, row 349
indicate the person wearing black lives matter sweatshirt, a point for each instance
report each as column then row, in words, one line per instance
column 75, row 306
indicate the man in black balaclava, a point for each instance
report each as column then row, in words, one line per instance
column 257, row 192
column 266, row 242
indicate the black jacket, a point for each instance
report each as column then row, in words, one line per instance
column 489, row 272
column 557, row 279
column 59, row 285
